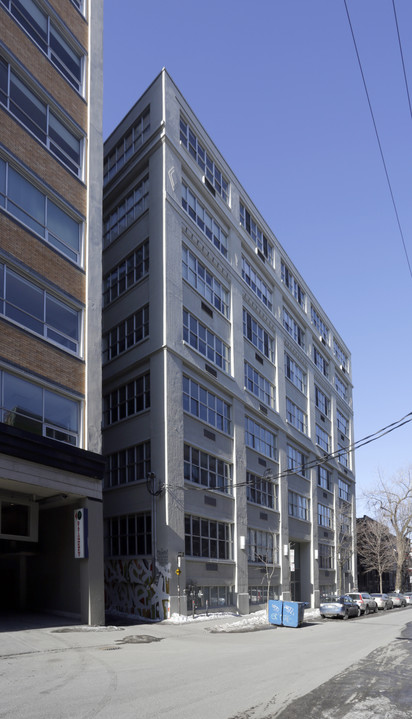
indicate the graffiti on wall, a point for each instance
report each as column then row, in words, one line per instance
column 131, row 588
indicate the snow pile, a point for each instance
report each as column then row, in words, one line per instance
column 248, row 622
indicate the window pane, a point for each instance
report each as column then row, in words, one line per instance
column 28, row 202
column 28, row 108
column 24, row 302
column 23, row 404
column 63, row 226
column 62, row 318
column 61, row 411
column 69, row 144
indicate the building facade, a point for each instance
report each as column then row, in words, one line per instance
column 227, row 418
column 50, row 306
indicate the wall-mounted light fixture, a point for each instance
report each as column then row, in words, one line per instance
column 285, row 550
column 242, row 541
column 316, row 554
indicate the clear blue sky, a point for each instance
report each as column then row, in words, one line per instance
column 277, row 85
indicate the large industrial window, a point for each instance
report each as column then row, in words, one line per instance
column 38, row 117
column 33, row 408
column 32, row 307
column 207, row 538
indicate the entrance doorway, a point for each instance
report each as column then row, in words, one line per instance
column 295, row 571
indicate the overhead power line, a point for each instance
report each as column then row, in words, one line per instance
column 402, row 60
column 378, row 139
column 320, row 461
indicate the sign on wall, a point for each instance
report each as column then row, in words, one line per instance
column 81, row 549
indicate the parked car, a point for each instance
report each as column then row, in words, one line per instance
column 398, row 599
column 343, row 606
column 408, row 597
column 364, row 601
column 382, row 600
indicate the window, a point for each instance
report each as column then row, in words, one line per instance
column 259, row 386
column 261, row 339
column 293, row 285
column 296, row 417
column 33, row 208
column 321, row 401
column 119, row 219
column 38, row 311
column 127, row 334
column 342, row 423
column 38, row 118
column 323, row 478
column 40, row 28
column 204, row 282
column 261, row 242
column 343, row 490
column 128, row 145
column 207, row 597
column 256, row 284
column 204, row 220
column 209, row 471
column 295, row 373
column 319, row 324
column 205, row 405
column 320, row 361
column 298, row 506
column 213, row 174
column 322, row 438
column 32, row 408
column 207, row 538
column 343, row 455
column 261, row 491
column 326, row 556
column 292, row 327
column 128, row 465
column 128, row 536
column 296, row 461
column 128, row 400
column 341, row 388
column 260, row 594
column 127, row 274
column 206, row 342
column 325, row 516
column 260, row 439
column 340, row 355
column 263, row 547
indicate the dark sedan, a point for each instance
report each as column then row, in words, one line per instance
column 342, row 606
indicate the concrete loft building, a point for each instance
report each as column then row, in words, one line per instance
column 227, row 390
column 50, row 307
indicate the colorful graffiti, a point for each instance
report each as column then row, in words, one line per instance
column 131, row 588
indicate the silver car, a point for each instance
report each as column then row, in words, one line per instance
column 408, row 597
column 364, row 601
column 382, row 600
column 342, row 606
column 398, row 599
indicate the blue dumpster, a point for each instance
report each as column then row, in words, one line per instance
column 293, row 613
column 275, row 611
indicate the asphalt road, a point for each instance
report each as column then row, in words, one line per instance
column 326, row 669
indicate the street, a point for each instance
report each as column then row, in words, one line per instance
column 325, row 669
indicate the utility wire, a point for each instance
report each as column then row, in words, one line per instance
column 379, row 142
column 319, row 461
column 402, row 60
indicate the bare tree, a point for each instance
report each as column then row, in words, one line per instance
column 392, row 501
column 375, row 546
column 344, row 543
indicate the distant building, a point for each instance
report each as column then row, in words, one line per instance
column 50, row 307
column 228, row 414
